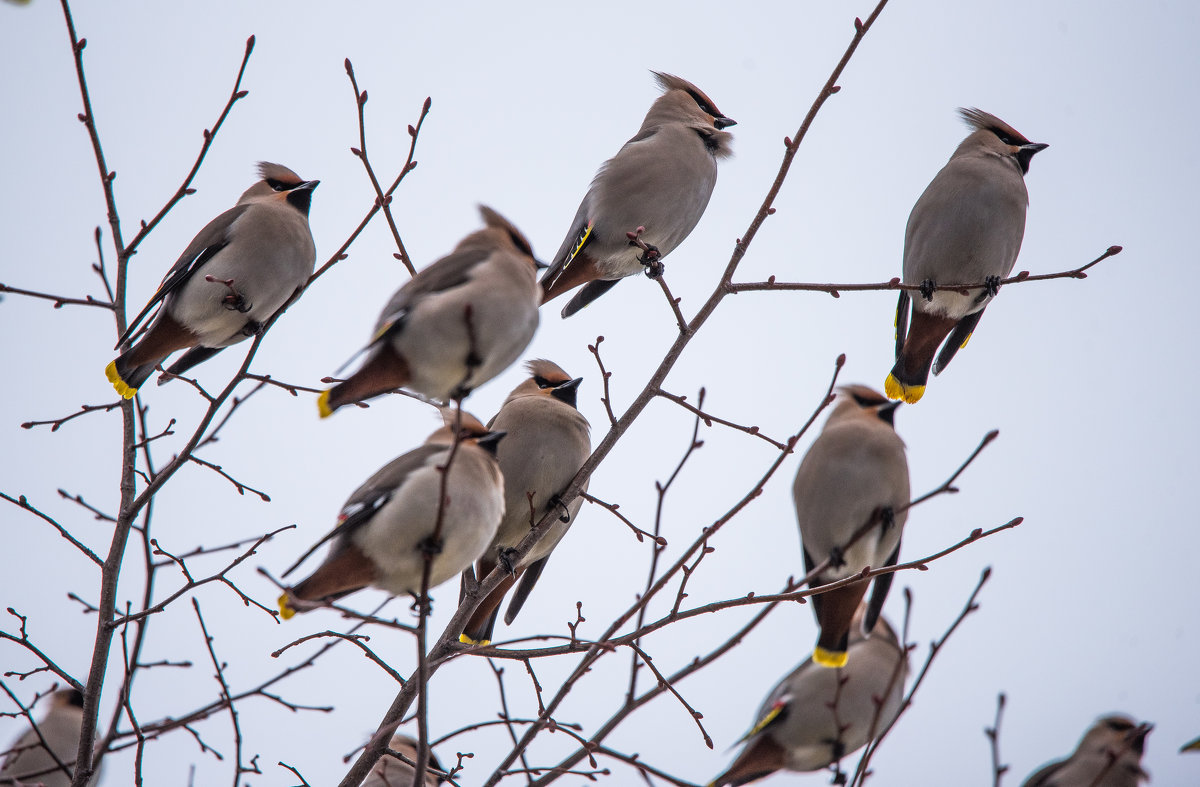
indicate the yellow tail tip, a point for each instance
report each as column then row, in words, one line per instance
column 829, row 658
column 323, row 407
column 285, row 609
column 898, row 390
column 114, row 377
column 464, row 639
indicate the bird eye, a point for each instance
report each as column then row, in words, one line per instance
column 1118, row 725
column 703, row 104
column 278, row 185
column 542, row 382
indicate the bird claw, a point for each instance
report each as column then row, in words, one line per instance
column 927, row 288
column 556, row 502
column 888, row 518
column 252, row 328
column 991, row 285
column 233, row 300
column 836, row 558
column 652, row 259
column 431, row 546
column 506, row 559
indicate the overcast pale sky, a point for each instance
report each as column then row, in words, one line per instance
column 1092, row 607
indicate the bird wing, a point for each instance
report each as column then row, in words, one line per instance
column 529, row 578
column 209, row 241
column 449, row 272
column 373, row 495
column 1041, row 776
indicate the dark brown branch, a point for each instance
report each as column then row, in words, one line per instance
column 661, row 490
column 409, row 165
column 895, row 284
column 185, row 188
column 505, row 716
column 241, row 488
column 192, row 583
column 99, row 515
column 227, row 697
column 22, row 502
column 935, row 647
column 665, row 682
column 993, row 736
column 59, row 300
column 384, row 201
column 613, row 508
column 26, row 643
column 57, row 422
column 356, row 640
column 606, row 400
column 709, row 419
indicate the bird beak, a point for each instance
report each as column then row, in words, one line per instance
column 1034, row 147
column 1137, row 737
column 308, row 185
column 566, row 392
column 723, row 122
column 490, row 441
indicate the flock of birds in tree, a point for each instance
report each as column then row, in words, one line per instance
column 467, row 317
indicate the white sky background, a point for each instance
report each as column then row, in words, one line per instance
column 1092, row 606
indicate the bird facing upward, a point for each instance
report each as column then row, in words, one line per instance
column 385, row 529
column 455, row 325
column 243, row 267
column 1110, row 755
column 966, row 229
column 854, row 476
column 661, row 180
column 546, row 442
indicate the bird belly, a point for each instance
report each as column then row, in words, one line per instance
column 437, row 339
column 395, row 537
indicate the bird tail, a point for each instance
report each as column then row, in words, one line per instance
column 127, row 379
column 384, row 371
column 910, row 374
column 134, row 366
column 761, row 757
column 834, row 617
column 478, row 629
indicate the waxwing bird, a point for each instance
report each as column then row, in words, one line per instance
column 456, row 324
column 386, row 527
column 545, row 445
column 660, row 180
column 390, row 771
column 244, row 266
column 966, row 228
column 815, row 717
column 29, row 762
column 1109, row 755
column 854, row 476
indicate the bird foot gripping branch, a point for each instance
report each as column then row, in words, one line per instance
column 234, row 301
column 651, row 257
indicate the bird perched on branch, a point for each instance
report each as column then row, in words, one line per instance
column 851, row 495
column 1110, row 755
column 456, row 324
column 546, row 443
column 392, row 772
column 386, row 529
column 240, row 270
column 29, row 761
column 966, row 229
column 645, row 200
column 815, row 717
